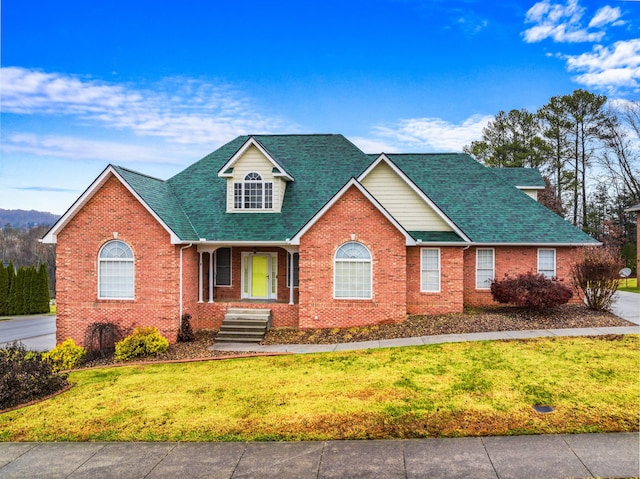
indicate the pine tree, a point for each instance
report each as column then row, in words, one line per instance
column 43, row 295
column 4, row 289
column 15, row 293
column 30, row 288
column 11, row 274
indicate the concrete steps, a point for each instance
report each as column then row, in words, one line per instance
column 244, row 325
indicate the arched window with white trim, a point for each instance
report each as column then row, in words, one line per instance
column 115, row 271
column 352, row 272
column 253, row 193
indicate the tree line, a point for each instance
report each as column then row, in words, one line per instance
column 587, row 149
column 22, row 247
column 25, row 291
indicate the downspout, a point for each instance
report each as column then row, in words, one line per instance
column 181, row 249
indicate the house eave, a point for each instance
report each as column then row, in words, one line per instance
column 418, row 191
column 51, row 237
column 222, row 172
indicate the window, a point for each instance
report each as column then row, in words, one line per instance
column 223, row 267
column 296, row 268
column 430, row 270
column 352, row 272
column 484, row 268
column 253, row 193
column 115, row 271
column 547, row 262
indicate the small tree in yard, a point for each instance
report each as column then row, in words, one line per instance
column 596, row 276
column 530, row 290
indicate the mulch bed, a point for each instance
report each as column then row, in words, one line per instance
column 471, row 321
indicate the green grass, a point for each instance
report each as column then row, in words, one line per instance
column 629, row 284
column 464, row 389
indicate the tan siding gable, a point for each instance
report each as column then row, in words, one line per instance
column 399, row 199
column 254, row 161
column 532, row 193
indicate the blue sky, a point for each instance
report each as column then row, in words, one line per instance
column 156, row 85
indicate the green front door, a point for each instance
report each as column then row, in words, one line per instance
column 259, row 276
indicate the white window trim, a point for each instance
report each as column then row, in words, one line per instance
column 555, row 263
column 215, row 270
column 243, row 193
column 422, row 270
column 342, row 260
column 127, row 260
column 493, row 271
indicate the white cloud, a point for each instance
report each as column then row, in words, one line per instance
column 609, row 67
column 606, row 15
column 70, row 148
column 433, row 134
column 563, row 22
column 181, row 110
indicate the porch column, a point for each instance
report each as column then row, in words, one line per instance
column 211, row 275
column 290, row 278
column 291, row 251
column 200, row 277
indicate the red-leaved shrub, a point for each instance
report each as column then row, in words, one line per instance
column 531, row 291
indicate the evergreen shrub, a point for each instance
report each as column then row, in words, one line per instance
column 66, row 355
column 144, row 341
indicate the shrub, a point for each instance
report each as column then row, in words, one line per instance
column 185, row 334
column 100, row 339
column 596, row 276
column 144, row 341
column 66, row 355
column 24, row 376
column 530, row 290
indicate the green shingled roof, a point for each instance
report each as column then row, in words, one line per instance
column 484, row 207
column 159, row 196
column 486, row 210
column 320, row 164
column 521, row 177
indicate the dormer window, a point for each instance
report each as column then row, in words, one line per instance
column 253, row 193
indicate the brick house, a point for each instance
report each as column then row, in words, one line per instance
column 309, row 226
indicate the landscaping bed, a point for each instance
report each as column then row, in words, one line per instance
column 471, row 321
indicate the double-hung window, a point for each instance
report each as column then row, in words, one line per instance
column 547, row 262
column 223, row 267
column 485, row 267
column 352, row 272
column 253, row 193
column 430, row 270
column 115, row 271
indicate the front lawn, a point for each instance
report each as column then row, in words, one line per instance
column 462, row 389
column 629, row 284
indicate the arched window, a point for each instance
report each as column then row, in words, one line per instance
column 115, row 271
column 253, row 193
column 352, row 272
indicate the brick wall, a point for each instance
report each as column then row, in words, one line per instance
column 513, row 260
column 114, row 209
column 352, row 214
column 450, row 297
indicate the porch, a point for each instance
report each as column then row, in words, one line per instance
column 210, row 315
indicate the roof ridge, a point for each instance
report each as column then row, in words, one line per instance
column 129, row 170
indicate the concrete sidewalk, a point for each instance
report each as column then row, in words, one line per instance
column 421, row 340
column 550, row 456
